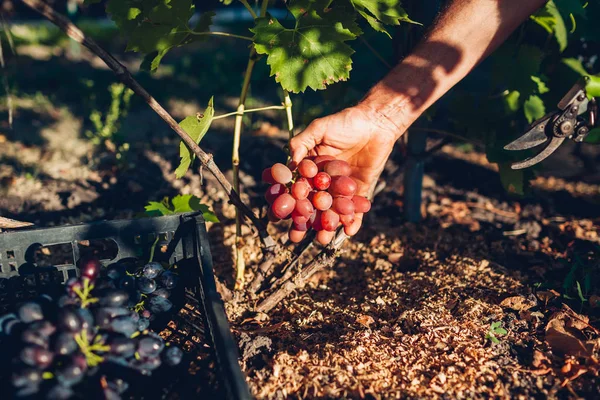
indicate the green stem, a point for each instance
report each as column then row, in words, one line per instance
column 240, row 265
column 250, row 110
column 249, row 8
column 288, row 111
column 231, row 35
column 263, row 8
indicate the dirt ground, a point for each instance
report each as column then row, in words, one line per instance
column 407, row 311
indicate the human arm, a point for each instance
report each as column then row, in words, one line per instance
column 464, row 33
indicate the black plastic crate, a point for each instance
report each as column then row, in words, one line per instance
column 198, row 318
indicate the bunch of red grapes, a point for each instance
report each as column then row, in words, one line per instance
column 318, row 194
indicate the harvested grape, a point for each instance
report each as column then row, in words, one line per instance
column 330, row 220
column 304, row 207
column 307, row 168
column 274, row 191
column 337, row 168
column 324, row 237
column 322, row 181
column 283, row 205
column 361, row 204
column 281, row 173
column 343, row 186
column 320, row 161
column 343, row 205
column 300, row 189
column 267, row 177
column 296, row 236
column 322, row 201
column 347, row 219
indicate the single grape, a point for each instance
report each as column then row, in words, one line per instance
column 89, row 267
column 337, row 168
column 105, row 315
column 307, row 168
column 300, row 189
column 330, row 220
column 123, row 325
column 150, row 346
column 304, row 207
column 146, row 314
column 343, row 186
column 281, row 173
column 143, row 324
column 342, row 205
column 149, row 364
column 320, row 161
column 127, row 283
column 296, row 236
column 26, row 377
column 60, row 392
column 283, row 206
column 322, row 201
column 122, row 346
column 347, row 219
column 158, row 304
column 29, row 312
column 44, row 328
column 68, row 320
column 361, row 204
column 172, row 356
column 169, row 280
column 267, row 176
column 152, row 270
column 274, row 191
column 316, row 221
column 324, row 237
column 322, row 180
column 64, row 344
column 115, row 298
column 146, row 285
column 118, row 385
column 33, row 336
column 298, row 218
column 116, row 272
column 162, row 292
column 70, row 373
column 36, row 357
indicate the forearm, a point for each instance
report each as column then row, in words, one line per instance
column 464, row 34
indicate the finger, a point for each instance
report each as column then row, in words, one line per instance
column 324, row 237
column 303, row 143
column 353, row 228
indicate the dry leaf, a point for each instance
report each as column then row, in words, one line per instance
column 365, row 320
column 546, row 296
column 540, row 359
column 518, row 303
column 563, row 334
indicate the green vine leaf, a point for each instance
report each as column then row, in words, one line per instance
column 180, row 204
column 379, row 13
column 593, row 136
column 154, row 27
column 593, row 86
column 534, row 108
column 550, row 18
column 312, row 54
column 196, row 127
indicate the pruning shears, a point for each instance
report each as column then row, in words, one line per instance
column 575, row 116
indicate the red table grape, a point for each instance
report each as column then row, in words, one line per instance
column 283, row 205
column 322, row 201
column 307, row 168
column 337, row 168
column 321, row 181
column 361, row 204
column 343, row 186
column 281, row 173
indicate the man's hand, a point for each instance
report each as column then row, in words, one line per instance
column 358, row 135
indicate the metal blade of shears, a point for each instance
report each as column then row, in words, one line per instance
column 534, row 136
column 542, row 155
column 572, row 94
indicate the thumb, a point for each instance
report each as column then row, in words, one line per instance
column 307, row 140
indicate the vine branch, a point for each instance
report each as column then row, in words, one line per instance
column 125, row 76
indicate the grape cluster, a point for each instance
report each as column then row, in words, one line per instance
column 318, row 194
column 57, row 346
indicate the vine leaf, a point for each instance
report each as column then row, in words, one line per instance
column 182, row 203
column 550, row 18
column 379, row 13
column 534, row 108
column 311, row 54
column 593, row 86
column 593, row 136
column 156, row 26
column 196, row 127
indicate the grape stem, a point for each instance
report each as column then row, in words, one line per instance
column 250, row 110
column 125, row 76
column 85, row 295
column 89, row 349
column 249, row 8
